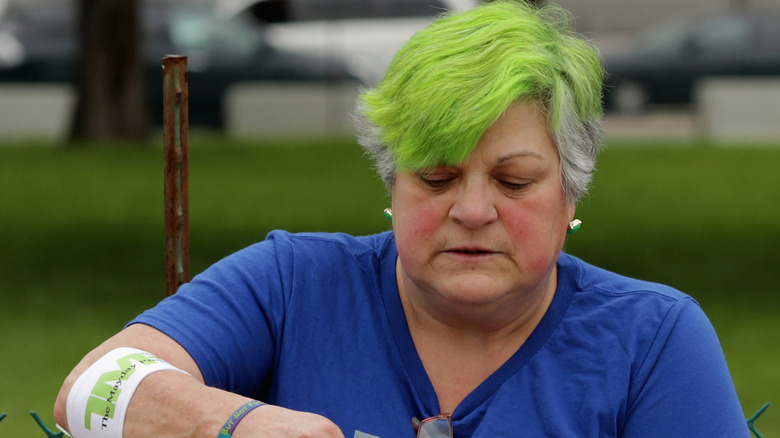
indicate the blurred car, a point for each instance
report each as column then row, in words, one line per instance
column 668, row 60
column 365, row 34
column 220, row 53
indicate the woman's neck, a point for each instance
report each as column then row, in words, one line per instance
column 461, row 346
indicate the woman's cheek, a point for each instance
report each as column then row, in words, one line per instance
column 534, row 241
column 426, row 221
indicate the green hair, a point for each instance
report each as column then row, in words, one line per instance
column 455, row 78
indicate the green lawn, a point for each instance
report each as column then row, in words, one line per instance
column 81, row 241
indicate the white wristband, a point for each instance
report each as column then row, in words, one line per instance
column 97, row 402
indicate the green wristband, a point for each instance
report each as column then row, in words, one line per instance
column 230, row 425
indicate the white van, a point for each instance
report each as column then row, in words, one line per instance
column 364, row 33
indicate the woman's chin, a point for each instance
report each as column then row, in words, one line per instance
column 473, row 289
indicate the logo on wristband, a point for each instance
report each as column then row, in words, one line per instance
column 104, row 395
column 98, row 401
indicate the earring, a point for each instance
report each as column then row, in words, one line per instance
column 573, row 226
column 389, row 214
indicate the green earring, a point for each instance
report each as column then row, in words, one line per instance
column 573, row 226
column 389, row 214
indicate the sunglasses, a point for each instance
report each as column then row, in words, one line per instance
column 439, row 426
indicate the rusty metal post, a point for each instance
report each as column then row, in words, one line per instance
column 176, row 121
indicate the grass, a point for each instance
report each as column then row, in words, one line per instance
column 81, row 241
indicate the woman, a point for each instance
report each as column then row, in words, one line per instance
column 466, row 320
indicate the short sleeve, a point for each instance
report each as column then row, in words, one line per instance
column 683, row 387
column 226, row 317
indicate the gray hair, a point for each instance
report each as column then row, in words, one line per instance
column 437, row 107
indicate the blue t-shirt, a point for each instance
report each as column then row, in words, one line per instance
column 313, row 322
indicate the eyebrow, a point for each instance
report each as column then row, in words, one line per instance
column 524, row 154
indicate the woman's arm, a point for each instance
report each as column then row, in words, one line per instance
column 683, row 387
column 174, row 404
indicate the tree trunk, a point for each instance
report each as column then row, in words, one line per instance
column 111, row 91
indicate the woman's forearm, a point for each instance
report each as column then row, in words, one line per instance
column 173, row 404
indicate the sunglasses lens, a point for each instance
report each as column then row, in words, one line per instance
column 436, row 428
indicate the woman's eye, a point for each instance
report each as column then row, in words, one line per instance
column 515, row 186
column 436, row 182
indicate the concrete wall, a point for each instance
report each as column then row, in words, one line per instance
column 252, row 110
column 739, row 110
column 40, row 111
column 727, row 111
column 292, row 111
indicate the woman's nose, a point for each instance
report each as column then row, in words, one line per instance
column 473, row 206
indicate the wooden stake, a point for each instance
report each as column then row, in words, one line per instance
column 176, row 120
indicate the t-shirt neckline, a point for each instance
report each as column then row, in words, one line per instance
column 416, row 371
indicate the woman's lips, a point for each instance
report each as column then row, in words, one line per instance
column 470, row 251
